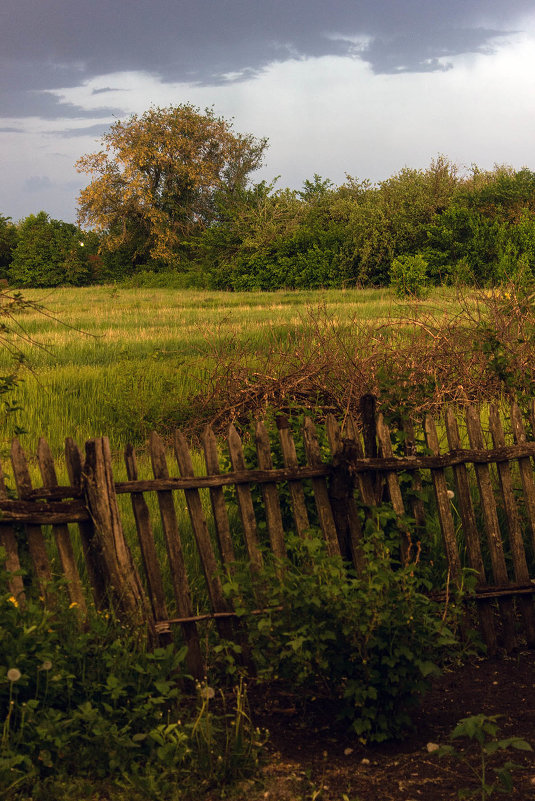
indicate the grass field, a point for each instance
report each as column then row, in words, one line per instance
column 120, row 362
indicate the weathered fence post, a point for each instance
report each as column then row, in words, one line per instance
column 99, row 487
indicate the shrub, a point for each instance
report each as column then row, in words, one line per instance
column 84, row 708
column 367, row 642
column 408, row 275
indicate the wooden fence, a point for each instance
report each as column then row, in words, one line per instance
column 484, row 500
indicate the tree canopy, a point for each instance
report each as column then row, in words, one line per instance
column 153, row 185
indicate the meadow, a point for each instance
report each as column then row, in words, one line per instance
column 120, row 362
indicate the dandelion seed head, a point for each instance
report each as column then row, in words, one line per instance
column 13, row 674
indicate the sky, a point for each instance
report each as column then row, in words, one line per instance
column 358, row 87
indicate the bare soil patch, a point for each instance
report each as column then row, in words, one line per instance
column 311, row 758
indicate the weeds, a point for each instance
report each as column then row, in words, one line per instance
column 481, row 732
column 91, row 706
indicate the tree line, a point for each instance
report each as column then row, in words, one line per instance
column 171, row 194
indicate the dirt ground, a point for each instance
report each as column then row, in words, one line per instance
column 308, row 759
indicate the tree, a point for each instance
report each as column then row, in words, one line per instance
column 8, row 243
column 154, row 184
column 49, row 253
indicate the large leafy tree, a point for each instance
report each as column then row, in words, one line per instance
column 154, row 182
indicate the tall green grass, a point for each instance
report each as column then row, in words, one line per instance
column 120, row 362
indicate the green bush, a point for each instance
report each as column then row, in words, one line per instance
column 368, row 643
column 83, row 709
column 408, row 276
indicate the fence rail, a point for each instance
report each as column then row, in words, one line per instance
column 484, row 500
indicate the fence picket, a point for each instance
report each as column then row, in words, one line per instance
column 417, row 504
column 8, row 541
column 145, row 534
column 202, row 537
column 364, row 480
column 526, row 469
column 94, row 560
column 34, row 534
column 471, row 534
column 270, row 493
column 341, row 494
column 443, row 502
column 516, row 544
column 61, row 532
column 177, row 565
column 319, row 485
column 126, row 588
column 297, row 495
column 394, row 489
column 492, row 527
column 217, row 499
column 245, row 501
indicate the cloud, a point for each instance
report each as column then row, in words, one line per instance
column 63, row 43
column 96, row 131
column 37, row 183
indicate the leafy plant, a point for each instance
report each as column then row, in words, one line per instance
column 369, row 643
column 408, row 275
column 481, row 731
column 90, row 705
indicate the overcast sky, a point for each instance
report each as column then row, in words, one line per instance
column 363, row 87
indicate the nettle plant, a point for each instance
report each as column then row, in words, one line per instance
column 369, row 643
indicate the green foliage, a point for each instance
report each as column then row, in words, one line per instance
column 91, row 705
column 481, row 732
column 408, row 276
column 49, row 253
column 8, row 243
column 368, row 643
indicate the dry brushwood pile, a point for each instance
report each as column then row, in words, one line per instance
column 476, row 349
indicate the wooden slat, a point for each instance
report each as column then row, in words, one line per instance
column 61, row 532
column 36, row 541
column 245, row 501
column 394, row 490
column 367, row 410
column 365, row 481
column 126, row 588
column 526, row 469
column 443, row 502
column 492, row 527
column 297, row 494
column 341, row 493
column 8, row 541
column 202, row 537
column 417, row 504
column 234, row 478
column 42, row 514
column 179, row 576
column 147, row 545
column 319, row 485
column 270, row 494
column 95, row 564
column 217, row 499
column 518, row 555
column 471, row 534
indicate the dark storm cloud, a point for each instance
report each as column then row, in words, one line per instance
column 60, row 43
